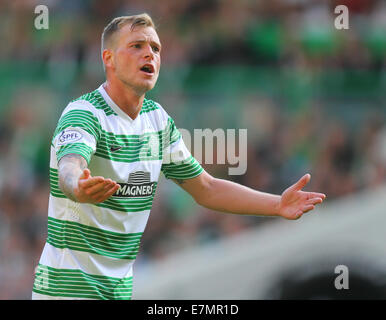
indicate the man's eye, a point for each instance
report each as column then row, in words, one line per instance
column 137, row 45
column 155, row 49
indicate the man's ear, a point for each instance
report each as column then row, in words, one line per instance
column 108, row 58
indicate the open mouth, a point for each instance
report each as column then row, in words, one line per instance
column 148, row 68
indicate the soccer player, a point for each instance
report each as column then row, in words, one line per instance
column 107, row 152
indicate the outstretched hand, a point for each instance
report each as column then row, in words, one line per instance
column 294, row 202
column 94, row 189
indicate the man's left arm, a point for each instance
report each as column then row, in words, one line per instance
column 227, row 196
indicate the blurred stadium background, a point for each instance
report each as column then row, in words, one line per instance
column 312, row 98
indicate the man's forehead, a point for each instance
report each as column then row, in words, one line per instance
column 140, row 33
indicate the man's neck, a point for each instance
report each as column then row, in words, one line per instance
column 127, row 100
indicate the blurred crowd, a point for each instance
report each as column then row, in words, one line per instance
column 306, row 122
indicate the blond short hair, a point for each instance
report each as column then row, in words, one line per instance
column 116, row 24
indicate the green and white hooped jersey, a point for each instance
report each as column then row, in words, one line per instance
column 90, row 249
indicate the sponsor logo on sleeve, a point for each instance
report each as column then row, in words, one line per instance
column 69, row 136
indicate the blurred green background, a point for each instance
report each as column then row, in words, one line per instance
column 312, row 98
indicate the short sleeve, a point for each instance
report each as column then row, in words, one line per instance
column 78, row 132
column 178, row 163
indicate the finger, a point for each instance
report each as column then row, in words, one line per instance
column 99, row 187
column 85, row 174
column 298, row 214
column 314, row 201
column 308, row 208
column 302, row 182
column 86, row 183
column 316, row 195
column 101, row 191
column 102, row 196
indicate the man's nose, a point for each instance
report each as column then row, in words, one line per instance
column 148, row 52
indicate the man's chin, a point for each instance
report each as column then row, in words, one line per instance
column 141, row 88
column 147, row 86
column 144, row 88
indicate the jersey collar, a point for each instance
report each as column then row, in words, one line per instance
column 113, row 105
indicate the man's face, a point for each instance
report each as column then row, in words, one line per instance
column 137, row 57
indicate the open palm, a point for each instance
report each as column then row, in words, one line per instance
column 294, row 202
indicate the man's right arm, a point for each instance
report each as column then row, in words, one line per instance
column 77, row 184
